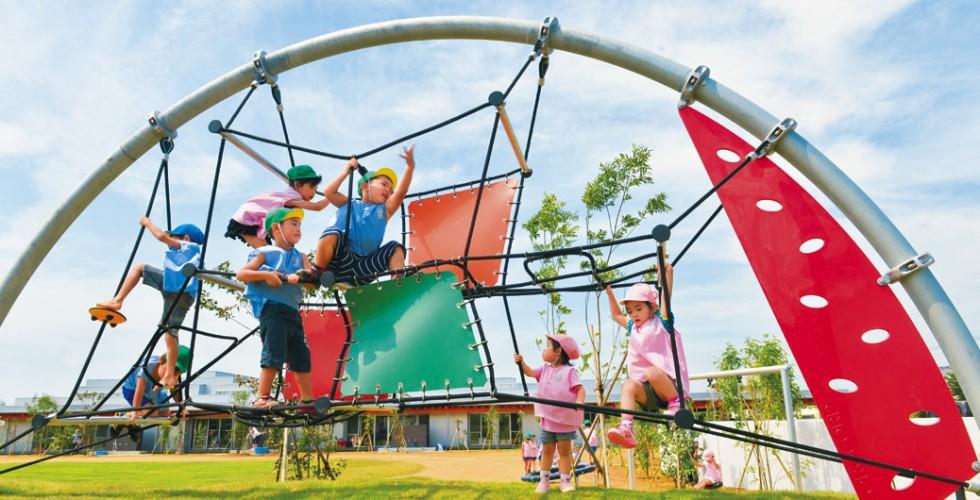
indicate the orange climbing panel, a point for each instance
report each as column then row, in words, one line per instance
column 438, row 226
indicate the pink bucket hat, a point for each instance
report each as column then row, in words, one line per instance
column 708, row 455
column 567, row 344
column 642, row 292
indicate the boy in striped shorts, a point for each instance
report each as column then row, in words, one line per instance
column 357, row 256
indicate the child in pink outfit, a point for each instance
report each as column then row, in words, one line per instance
column 529, row 452
column 712, row 472
column 248, row 223
column 650, row 360
column 557, row 380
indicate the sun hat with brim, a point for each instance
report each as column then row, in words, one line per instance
column 183, row 358
column 709, row 455
column 383, row 171
column 641, row 292
column 302, row 173
column 191, row 231
column 567, row 344
column 278, row 215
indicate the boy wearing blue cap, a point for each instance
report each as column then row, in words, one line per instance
column 183, row 246
column 356, row 255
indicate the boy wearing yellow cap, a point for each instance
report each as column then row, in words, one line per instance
column 274, row 292
column 358, row 256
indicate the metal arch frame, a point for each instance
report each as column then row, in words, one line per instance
column 928, row 295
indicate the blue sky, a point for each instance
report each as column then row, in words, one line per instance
column 886, row 90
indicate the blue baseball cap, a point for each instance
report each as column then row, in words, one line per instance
column 191, row 231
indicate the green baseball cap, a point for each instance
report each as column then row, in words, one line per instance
column 183, row 358
column 528, row 435
column 280, row 214
column 302, row 172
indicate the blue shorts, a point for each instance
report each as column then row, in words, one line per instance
column 283, row 338
column 349, row 267
column 128, row 396
column 551, row 437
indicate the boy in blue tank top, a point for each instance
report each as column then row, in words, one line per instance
column 142, row 386
column 183, row 246
column 274, row 292
column 359, row 256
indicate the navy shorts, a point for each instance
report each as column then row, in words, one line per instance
column 283, row 339
column 153, row 277
column 349, row 267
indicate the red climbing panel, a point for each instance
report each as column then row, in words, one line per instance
column 325, row 334
column 439, row 224
column 860, row 354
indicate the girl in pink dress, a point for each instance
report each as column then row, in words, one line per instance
column 712, row 472
column 557, row 380
column 529, row 452
column 651, row 371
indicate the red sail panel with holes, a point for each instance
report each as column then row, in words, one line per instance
column 438, row 226
column 866, row 386
column 325, row 334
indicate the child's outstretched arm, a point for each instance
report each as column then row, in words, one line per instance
column 330, row 190
column 395, row 201
column 158, row 233
column 617, row 313
column 250, row 272
column 315, row 206
column 524, row 368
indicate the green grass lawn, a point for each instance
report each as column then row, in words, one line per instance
column 254, row 479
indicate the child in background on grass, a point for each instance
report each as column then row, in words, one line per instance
column 557, row 380
column 529, row 452
column 712, row 472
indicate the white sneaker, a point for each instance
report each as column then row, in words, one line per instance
column 566, row 485
column 543, row 485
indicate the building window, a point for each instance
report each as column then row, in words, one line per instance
column 509, row 428
column 212, row 434
column 478, row 429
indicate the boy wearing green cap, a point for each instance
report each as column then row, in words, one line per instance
column 142, row 385
column 357, row 256
column 248, row 224
column 274, row 292
column 183, row 247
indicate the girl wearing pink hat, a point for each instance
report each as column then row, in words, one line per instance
column 712, row 472
column 650, row 359
column 557, row 380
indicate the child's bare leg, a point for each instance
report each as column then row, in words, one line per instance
column 254, row 241
column 662, row 384
column 134, row 277
column 265, row 381
column 565, row 457
column 170, row 375
column 547, row 456
column 305, row 385
column 325, row 249
column 397, row 261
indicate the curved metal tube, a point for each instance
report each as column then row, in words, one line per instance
column 949, row 328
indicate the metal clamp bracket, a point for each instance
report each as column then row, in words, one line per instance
column 156, row 124
column 262, row 73
column 548, row 27
column 901, row 271
column 695, row 79
column 768, row 145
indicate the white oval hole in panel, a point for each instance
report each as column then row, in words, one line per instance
column 843, row 386
column 875, row 336
column 769, row 205
column 813, row 301
column 812, row 245
column 728, row 155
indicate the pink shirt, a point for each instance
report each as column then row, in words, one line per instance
column 649, row 345
column 594, row 438
column 252, row 212
column 712, row 471
column 529, row 449
column 559, row 383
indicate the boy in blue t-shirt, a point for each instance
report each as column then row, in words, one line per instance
column 274, row 291
column 357, row 258
column 183, row 246
column 142, row 386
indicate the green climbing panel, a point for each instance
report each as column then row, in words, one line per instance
column 409, row 331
